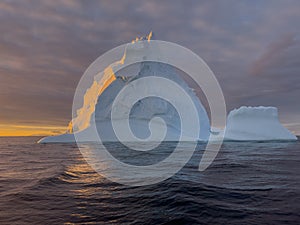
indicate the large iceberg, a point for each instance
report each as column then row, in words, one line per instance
column 255, row 124
column 100, row 96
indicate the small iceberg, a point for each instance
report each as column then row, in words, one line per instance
column 256, row 124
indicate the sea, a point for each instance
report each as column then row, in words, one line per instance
column 248, row 183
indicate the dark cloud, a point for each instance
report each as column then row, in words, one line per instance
column 45, row 46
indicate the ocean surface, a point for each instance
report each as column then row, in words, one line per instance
column 248, row 183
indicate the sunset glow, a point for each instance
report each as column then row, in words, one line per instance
column 24, row 130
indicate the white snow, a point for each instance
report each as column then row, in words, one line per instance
column 254, row 124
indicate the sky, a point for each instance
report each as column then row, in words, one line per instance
column 253, row 48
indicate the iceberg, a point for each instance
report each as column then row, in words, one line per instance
column 255, row 124
column 100, row 96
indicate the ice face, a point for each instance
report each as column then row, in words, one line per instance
column 148, row 108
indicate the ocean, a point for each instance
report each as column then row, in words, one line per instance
column 248, row 183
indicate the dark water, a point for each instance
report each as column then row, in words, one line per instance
column 248, row 183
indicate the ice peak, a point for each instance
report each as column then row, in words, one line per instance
column 148, row 37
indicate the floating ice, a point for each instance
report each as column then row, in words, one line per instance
column 100, row 96
column 243, row 124
column 254, row 124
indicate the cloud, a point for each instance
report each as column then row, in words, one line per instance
column 45, row 46
column 275, row 55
